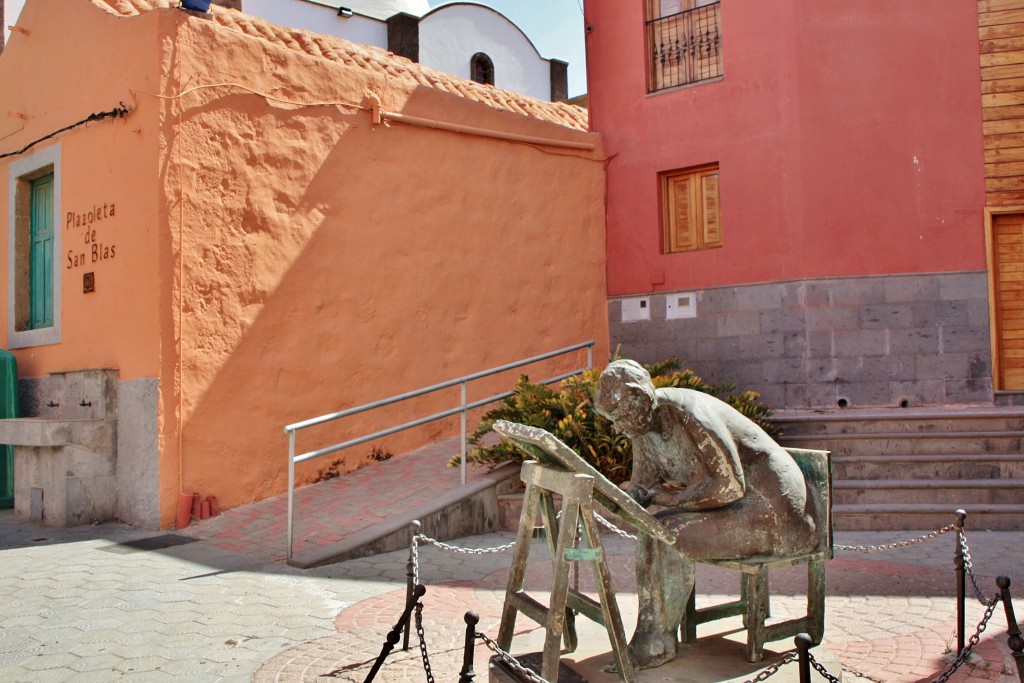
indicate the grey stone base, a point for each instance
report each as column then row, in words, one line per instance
column 838, row 342
column 130, row 490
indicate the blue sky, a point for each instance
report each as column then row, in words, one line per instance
column 554, row 26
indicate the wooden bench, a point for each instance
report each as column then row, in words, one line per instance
column 754, row 602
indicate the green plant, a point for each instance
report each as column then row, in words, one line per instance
column 568, row 413
column 337, row 467
column 380, row 454
column 332, row 471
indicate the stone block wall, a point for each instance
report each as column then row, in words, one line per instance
column 827, row 343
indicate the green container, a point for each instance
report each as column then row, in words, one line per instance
column 9, row 407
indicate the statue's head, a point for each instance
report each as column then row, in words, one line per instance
column 625, row 395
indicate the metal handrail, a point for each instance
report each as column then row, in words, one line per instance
column 462, row 409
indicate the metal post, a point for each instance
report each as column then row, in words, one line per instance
column 393, row 635
column 291, row 489
column 467, row 675
column 462, row 460
column 410, row 573
column 590, row 357
column 961, row 582
column 803, row 647
column 1015, row 642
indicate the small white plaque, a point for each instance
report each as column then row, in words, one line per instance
column 681, row 305
column 636, row 309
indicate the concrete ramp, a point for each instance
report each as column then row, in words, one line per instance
column 368, row 511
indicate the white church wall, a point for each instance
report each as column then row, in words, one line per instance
column 12, row 9
column 313, row 17
column 450, row 36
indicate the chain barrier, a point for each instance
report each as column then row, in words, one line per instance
column 790, row 657
column 962, row 657
column 965, row 552
column 821, row 670
column 423, row 642
column 614, row 529
column 464, row 551
column 770, row 671
column 528, row 674
column 414, row 559
column 893, row 546
column 414, row 551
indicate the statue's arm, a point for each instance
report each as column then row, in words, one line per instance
column 643, row 478
column 723, row 481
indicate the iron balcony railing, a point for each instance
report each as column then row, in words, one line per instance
column 462, row 409
column 685, row 47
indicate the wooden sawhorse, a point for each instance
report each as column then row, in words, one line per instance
column 577, row 492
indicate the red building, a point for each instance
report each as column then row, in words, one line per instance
column 798, row 195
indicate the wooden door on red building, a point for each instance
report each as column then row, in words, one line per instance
column 1008, row 296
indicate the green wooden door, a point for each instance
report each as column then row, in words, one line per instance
column 41, row 254
column 9, row 407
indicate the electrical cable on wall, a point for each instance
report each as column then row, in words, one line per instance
column 117, row 112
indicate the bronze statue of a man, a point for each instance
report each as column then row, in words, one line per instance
column 716, row 479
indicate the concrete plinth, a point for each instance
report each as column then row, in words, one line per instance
column 718, row 656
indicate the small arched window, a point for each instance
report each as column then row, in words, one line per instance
column 481, row 69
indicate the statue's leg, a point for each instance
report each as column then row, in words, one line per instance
column 664, row 580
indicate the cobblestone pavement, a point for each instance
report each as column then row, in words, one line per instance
column 83, row 605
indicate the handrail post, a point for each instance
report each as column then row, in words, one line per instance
column 467, row 675
column 462, row 458
column 291, row 489
column 961, row 582
column 803, row 646
column 410, row 573
column 590, row 357
column 1015, row 641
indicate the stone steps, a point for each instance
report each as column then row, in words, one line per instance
column 929, row 466
column 911, row 443
column 925, row 517
column 910, row 469
column 901, row 421
column 962, row 493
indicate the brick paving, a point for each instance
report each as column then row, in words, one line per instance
column 80, row 606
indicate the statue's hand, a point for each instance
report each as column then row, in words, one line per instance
column 640, row 495
column 669, row 493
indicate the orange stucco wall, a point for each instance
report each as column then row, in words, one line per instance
column 327, row 261
column 71, row 64
column 275, row 262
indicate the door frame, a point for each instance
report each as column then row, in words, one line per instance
column 990, row 264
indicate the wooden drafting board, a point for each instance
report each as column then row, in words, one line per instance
column 549, row 450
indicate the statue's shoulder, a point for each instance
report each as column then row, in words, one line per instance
column 684, row 398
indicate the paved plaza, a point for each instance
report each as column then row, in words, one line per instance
column 214, row 603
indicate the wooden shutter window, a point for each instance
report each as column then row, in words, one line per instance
column 679, row 215
column 691, row 215
column 712, row 227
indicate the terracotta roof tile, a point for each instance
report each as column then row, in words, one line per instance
column 370, row 58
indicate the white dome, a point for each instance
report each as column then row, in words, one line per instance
column 382, row 9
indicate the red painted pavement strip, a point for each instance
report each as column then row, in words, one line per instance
column 915, row 655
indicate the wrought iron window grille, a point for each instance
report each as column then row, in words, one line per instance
column 686, row 47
